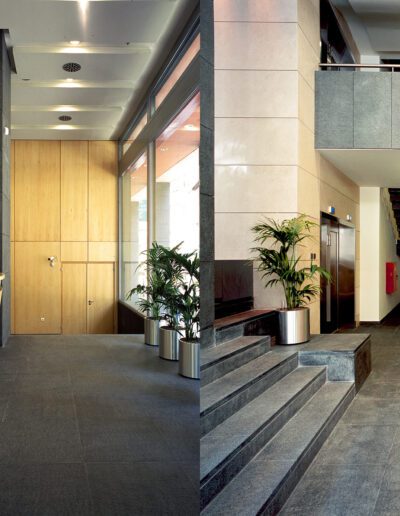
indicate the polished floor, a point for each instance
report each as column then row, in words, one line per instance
column 357, row 471
column 95, row 425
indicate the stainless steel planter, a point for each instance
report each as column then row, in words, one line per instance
column 294, row 326
column 169, row 343
column 151, row 331
column 189, row 358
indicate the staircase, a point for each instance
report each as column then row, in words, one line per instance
column 263, row 420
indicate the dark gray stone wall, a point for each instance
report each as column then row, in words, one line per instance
column 207, row 173
column 357, row 110
column 5, row 105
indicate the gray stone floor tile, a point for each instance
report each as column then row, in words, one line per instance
column 356, row 444
column 371, row 411
column 336, row 490
column 145, row 488
column 103, row 399
column 44, row 490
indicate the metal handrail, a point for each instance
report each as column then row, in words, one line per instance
column 358, row 65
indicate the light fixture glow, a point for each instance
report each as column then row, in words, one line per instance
column 75, row 42
column 190, row 127
column 70, row 80
column 64, row 127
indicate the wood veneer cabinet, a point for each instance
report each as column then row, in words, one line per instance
column 64, row 204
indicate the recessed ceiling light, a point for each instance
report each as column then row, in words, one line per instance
column 65, row 118
column 75, row 42
column 72, row 67
column 190, row 127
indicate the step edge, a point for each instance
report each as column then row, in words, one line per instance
column 341, row 406
column 248, row 384
column 265, row 423
column 264, row 339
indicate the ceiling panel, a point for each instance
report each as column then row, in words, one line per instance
column 95, row 96
column 94, row 66
column 96, row 118
column 119, row 45
column 112, row 23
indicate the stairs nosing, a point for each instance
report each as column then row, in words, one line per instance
column 248, row 384
column 262, row 340
column 260, row 428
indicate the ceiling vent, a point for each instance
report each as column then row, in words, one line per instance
column 72, row 67
column 65, row 118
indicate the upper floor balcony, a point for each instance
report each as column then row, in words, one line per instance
column 357, row 108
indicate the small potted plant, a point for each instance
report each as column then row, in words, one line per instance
column 151, row 295
column 280, row 265
column 188, row 308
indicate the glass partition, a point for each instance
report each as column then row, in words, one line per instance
column 177, row 70
column 177, row 179
column 134, row 226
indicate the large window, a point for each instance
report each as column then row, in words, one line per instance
column 134, row 226
column 159, row 165
column 177, row 179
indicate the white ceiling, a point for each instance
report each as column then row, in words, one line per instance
column 375, row 25
column 122, row 44
column 367, row 167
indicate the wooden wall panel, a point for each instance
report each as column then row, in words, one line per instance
column 64, row 197
column 74, row 191
column 12, row 190
column 101, row 294
column 74, row 251
column 74, row 298
column 37, row 191
column 103, row 191
column 103, row 251
column 37, row 288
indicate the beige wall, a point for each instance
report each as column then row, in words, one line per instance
column 266, row 52
column 378, row 246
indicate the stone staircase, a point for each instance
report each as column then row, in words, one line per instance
column 263, row 419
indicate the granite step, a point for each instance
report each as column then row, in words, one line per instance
column 222, row 359
column 221, row 398
column 226, row 449
column 265, row 483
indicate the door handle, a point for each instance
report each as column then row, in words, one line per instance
column 90, row 302
column 52, row 260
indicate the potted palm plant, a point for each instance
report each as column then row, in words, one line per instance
column 187, row 304
column 151, row 294
column 279, row 264
column 172, row 275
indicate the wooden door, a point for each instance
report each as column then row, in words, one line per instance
column 37, row 288
column 74, row 298
column 101, row 297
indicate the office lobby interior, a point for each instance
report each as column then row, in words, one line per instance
column 305, row 125
column 199, row 255
column 100, row 134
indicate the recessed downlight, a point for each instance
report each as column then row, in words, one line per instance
column 65, row 118
column 72, row 67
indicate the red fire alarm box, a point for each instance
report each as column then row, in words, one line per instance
column 391, row 277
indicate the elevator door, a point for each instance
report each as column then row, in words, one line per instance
column 338, row 257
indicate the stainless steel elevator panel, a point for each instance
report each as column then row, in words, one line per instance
column 346, row 284
column 338, row 257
